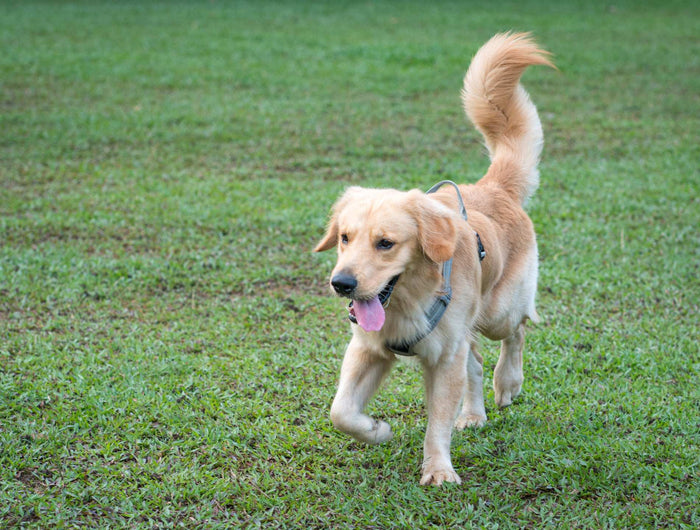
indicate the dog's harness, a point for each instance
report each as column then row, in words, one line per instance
column 439, row 306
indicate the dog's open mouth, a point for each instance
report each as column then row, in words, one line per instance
column 369, row 314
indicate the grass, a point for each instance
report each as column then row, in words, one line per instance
column 168, row 348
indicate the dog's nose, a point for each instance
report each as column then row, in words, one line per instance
column 343, row 283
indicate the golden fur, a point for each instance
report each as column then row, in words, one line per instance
column 494, row 297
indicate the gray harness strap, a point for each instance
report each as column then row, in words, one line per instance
column 439, row 306
column 462, row 209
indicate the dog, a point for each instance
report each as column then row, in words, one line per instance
column 426, row 272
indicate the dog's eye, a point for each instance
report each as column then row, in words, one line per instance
column 344, row 239
column 385, row 244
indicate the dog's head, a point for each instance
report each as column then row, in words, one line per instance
column 380, row 234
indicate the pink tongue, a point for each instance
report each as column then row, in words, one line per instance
column 369, row 315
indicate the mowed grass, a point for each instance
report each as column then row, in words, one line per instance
column 168, row 346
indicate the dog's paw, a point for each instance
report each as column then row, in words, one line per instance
column 438, row 476
column 470, row 420
column 506, row 389
column 380, row 433
column 505, row 394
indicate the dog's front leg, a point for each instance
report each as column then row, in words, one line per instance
column 360, row 376
column 444, row 387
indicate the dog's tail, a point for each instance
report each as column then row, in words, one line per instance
column 502, row 111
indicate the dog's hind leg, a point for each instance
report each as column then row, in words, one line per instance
column 360, row 376
column 508, row 374
column 473, row 412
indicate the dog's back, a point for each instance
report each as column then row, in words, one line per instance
column 501, row 110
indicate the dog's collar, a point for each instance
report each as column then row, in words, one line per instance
column 439, row 305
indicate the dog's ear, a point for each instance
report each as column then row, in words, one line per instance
column 437, row 232
column 330, row 240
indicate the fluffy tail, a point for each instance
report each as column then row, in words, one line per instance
column 502, row 111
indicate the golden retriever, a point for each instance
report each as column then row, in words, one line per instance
column 395, row 250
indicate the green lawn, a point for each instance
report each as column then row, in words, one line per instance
column 168, row 346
